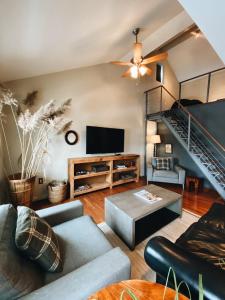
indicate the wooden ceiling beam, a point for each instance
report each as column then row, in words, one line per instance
column 174, row 41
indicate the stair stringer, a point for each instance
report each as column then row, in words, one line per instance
column 204, row 170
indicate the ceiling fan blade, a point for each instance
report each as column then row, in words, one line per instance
column 137, row 51
column 148, row 71
column 158, row 57
column 121, row 63
column 126, row 74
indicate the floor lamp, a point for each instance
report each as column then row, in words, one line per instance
column 155, row 139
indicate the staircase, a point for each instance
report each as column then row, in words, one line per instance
column 201, row 146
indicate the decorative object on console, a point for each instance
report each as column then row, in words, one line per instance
column 71, row 137
column 57, row 190
column 99, row 168
column 83, row 188
column 127, row 175
column 155, row 139
column 168, row 148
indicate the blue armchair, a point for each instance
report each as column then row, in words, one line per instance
column 175, row 175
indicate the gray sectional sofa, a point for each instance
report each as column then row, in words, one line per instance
column 90, row 262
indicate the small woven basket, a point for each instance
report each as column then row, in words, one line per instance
column 57, row 191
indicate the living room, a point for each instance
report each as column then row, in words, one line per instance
column 112, row 145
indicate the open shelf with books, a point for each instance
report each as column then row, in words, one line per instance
column 87, row 174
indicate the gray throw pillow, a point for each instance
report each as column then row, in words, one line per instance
column 36, row 239
column 18, row 276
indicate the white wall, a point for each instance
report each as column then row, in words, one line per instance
column 193, row 57
column 209, row 15
column 99, row 97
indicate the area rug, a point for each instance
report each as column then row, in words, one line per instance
column 172, row 231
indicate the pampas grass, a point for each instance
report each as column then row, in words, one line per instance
column 34, row 129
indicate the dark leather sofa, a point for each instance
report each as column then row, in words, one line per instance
column 199, row 250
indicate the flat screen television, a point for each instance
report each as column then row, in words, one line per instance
column 104, row 140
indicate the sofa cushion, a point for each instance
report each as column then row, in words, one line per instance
column 166, row 174
column 80, row 241
column 36, row 239
column 215, row 217
column 205, row 242
column 18, row 276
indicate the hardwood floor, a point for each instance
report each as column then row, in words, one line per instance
column 94, row 202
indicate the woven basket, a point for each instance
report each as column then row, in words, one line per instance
column 21, row 190
column 57, row 191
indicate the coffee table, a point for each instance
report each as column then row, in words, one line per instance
column 134, row 219
column 143, row 290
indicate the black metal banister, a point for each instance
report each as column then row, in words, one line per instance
column 190, row 116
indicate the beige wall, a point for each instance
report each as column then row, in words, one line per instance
column 100, row 97
column 1, row 175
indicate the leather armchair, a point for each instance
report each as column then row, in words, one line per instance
column 176, row 175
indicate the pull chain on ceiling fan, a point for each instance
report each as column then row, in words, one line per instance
column 138, row 64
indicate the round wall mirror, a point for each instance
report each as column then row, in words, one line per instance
column 71, row 137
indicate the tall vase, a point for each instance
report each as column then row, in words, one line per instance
column 21, row 190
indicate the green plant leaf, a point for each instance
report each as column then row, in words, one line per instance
column 175, row 283
column 200, row 287
column 184, row 283
column 128, row 292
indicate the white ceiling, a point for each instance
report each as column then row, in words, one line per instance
column 44, row 36
column 193, row 57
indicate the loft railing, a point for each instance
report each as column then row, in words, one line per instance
column 192, row 121
column 209, row 77
column 162, row 102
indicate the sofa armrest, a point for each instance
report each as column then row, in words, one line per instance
column 161, row 254
column 181, row 174
column 61, row 213
column 150, row 171
column 109, row 268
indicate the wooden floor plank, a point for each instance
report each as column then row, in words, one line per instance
column 94, row 202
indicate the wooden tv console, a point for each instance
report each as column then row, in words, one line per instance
column 103, row 179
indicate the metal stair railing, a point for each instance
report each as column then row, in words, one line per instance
column 191, row 118
column 198, row 148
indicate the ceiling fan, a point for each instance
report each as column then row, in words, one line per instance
column 138, row 65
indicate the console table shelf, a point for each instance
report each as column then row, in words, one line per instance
column 125, row 169
column 102, row 179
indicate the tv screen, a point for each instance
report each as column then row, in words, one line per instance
column 104, row 140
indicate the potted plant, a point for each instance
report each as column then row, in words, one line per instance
column 34, row 130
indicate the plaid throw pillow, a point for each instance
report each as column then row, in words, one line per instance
column 36, row 239
column 162, row 163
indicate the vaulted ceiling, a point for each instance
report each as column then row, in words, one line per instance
column 45, row 36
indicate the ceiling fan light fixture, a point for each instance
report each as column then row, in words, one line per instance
column 138, row 64
column 134, row 72
column 142, row 70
